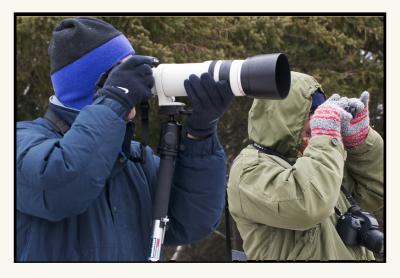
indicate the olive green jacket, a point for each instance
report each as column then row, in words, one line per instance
column 286, row 212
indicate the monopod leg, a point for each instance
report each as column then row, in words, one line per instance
column 168, row 149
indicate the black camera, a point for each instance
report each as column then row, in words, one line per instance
column 357, row 227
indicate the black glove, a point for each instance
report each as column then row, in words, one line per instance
column 129, row 83
column 209, row 101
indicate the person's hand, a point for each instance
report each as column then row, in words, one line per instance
column 355, row 131
column 329, row 117
column 209, row 101
column 130, row 82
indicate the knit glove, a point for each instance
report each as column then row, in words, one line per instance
column 355, row 131
column 209, row 101
column 329, row 117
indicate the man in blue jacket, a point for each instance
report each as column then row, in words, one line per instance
column 80, row 195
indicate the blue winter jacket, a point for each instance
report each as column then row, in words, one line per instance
column 79, row 198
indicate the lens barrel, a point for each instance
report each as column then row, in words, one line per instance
column 372, row 240
column 272, row 70
column 264, row 76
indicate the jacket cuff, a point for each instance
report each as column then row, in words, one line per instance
column 324, row 141
column 367, row 145
column 202, row 132
column 193, row 147
column 113, row 105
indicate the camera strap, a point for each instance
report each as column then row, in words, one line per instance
column 58, row 124
column 144, row 116
column 270, row 151
column 349, row 196
column 61, row 127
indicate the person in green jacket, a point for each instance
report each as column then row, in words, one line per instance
column 284, row 201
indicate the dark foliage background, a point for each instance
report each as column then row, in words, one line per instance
column 345, row 54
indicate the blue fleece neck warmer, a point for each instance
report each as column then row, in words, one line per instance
column 74, row 84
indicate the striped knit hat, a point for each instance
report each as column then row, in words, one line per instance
column 80, row 50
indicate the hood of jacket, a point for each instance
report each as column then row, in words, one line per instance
column 278, row 124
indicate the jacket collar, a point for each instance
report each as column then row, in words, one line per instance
column 65, row 113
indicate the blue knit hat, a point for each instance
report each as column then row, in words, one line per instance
column 80, row 50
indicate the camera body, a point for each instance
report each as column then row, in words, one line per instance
column 357, row 227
